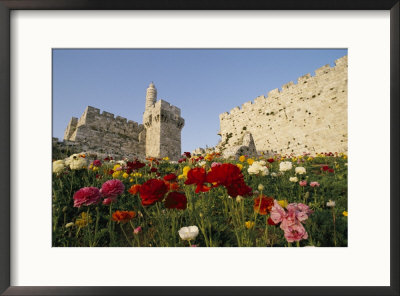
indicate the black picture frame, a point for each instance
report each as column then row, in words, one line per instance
column 7, row 6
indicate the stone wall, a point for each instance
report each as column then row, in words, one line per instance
column 104, row 134
column 163, row 123
column 310, row 116
column 107, row 134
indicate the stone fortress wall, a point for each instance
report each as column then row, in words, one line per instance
column 310, row 116
column 103, row 133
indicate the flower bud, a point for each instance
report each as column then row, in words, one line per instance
column 70, row 224
column 260, row 187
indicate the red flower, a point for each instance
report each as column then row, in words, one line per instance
column 123, row 216
column 271, row 222
column 325, row 168
column 176, row 200
column 225, row 174
column 96, row 163
column 133, row 165
column 152, row 191
column 239, row 188
column 270, row 160
column 187, row 154
column 331, row 170
column 170, row 177
column 153, row 170
column 230, row 176
column 197, row 176
column 266, row 204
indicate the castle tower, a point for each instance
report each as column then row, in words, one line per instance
column 163, row 124
column 151, row 95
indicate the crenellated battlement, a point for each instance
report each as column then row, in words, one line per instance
column 299, row 117
column 159, row 136
column 340, row 65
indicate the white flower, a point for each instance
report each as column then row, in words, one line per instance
column 330, row 203
column 121, row 162
column 260, row 187
column 201, row 163
column 293, row 179
column 58, row 166
column 75, row 162
column 258, row 168
column 188, row 233
column 285, row 166
column 300, row 170
column 274, row 174
column 239, row 198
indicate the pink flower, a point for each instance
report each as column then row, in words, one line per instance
column 295, row 232
column 86, row 196
column 112, row 188
column 137, row 230
column 314, row 184
column 301, row 211
column 107, row 201
column 277, row 213
column 216, row 164
column 303, row 183
column 291, row 220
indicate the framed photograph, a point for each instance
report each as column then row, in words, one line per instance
column 199, row 149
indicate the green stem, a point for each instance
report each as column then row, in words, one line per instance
column 127, row 239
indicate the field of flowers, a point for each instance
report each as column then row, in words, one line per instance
column 201, row 201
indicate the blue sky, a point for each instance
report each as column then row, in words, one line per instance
column 202, row 83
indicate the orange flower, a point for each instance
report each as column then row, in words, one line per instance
column 123, row 216
column 134, row 189
column 172, row 186
column 263, row 204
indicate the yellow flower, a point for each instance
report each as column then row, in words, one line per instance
column 131, row 180
column 166, row 158
column 294, row 159
column 242, row 158
column 181, row 177
column 250, row 161
column 116, row 167
column 136, row 174
column 249, row 224
column 283, row 203
column 240, row 166
column 116, row 174
column 125, row 175
column 186, row 169
column 83, row 220
column 310, row 158
column 344, row 156
column 345, row 213
column 95, row 169
column 208, row 157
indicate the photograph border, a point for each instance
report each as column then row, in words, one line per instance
column 6, row 7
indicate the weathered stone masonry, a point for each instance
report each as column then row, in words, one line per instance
column 310, row 116
column 160, row 136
